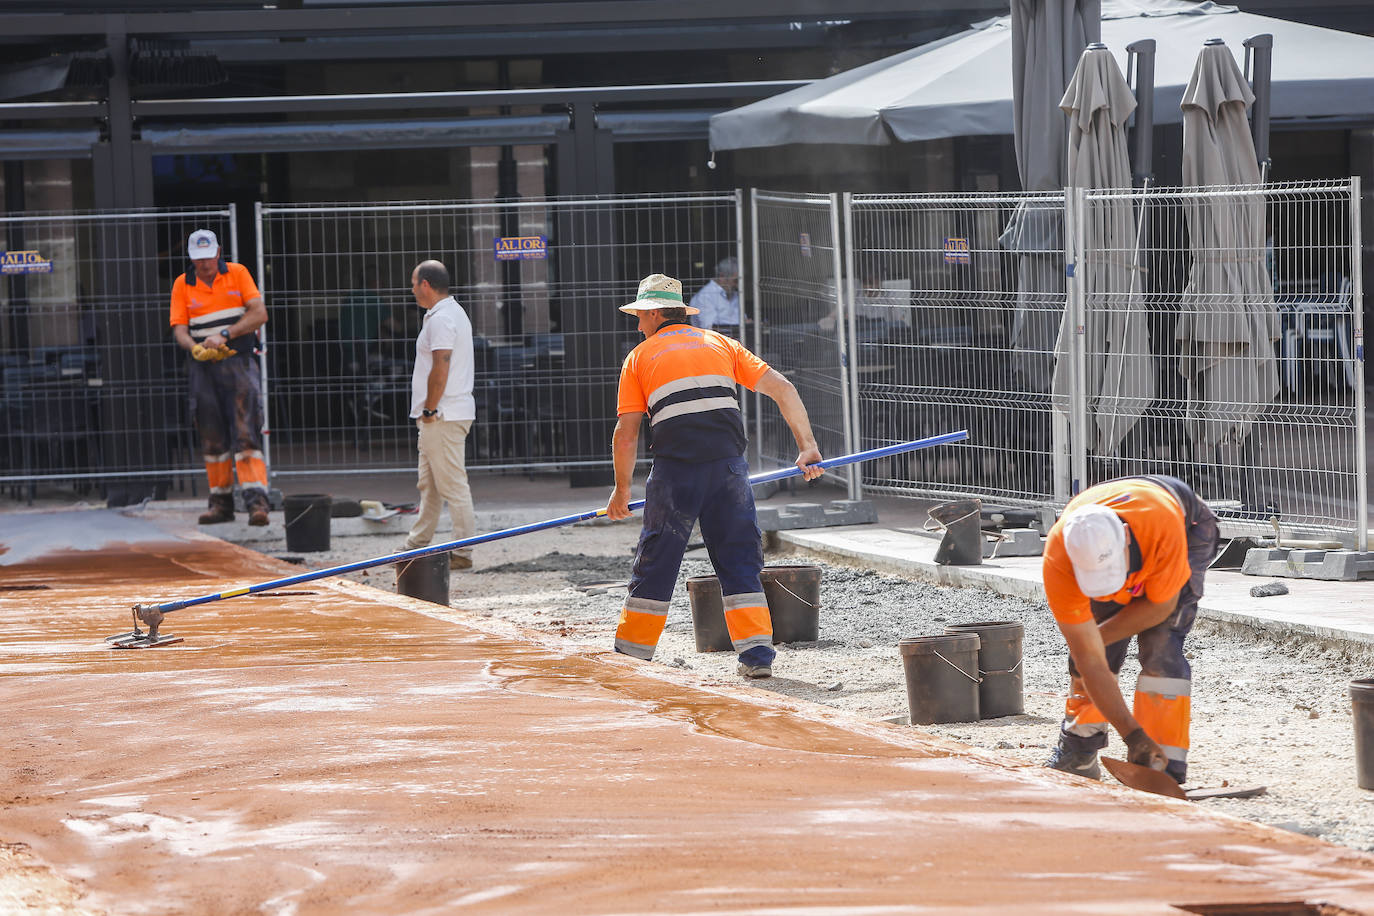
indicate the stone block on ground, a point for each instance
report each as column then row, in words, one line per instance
column 1296, row 563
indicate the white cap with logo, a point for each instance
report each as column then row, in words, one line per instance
column 202, row 244
column 1095, row 539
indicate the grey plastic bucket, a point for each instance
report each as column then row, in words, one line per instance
column 1001, row 691
column 708, row 614
column 941, row 677
column 1362, row 701
column 307, row 522
column 794, row 601
column 425, row 578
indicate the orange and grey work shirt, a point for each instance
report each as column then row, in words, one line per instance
column 684, row 378
column 209, row 310
column 1159, row 569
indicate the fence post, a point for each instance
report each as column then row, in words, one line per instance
column 1357, row 332
column 844, row 328
column 262, row 344
column 754, row 270
column 1077, row 314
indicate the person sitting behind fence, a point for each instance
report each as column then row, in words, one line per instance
column 717, row 303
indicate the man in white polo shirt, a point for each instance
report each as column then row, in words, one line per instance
column 442, row 406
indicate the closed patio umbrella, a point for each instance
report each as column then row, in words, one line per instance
column 1227, row 320
column 1048, row 36
column 1120, row 372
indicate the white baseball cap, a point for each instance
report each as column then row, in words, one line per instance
column 202, row 244
column 1095, row 539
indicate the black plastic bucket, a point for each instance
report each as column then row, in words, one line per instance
column 1362, row 701
column 708, row 614
column 999, row 666
column 425, row 578
column 307, row 522
column 794, row 601
column 962, row 544
column 941, row 677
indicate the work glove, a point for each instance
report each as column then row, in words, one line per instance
column 1142, row 750
column 205, row 354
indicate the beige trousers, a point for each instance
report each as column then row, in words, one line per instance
column 443, row 479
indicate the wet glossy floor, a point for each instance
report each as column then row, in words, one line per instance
column 335, row 750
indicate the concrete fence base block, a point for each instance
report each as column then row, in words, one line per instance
column 1295, row 563
column 1016, row 542
column 814, row 515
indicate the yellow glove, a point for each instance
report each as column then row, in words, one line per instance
column 203, row 354
column 221, row 353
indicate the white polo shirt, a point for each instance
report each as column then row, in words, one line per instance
column 446, row 327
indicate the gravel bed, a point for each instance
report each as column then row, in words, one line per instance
column 1264, row 713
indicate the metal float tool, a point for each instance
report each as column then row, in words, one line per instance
column 153, row 614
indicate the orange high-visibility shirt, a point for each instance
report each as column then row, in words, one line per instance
column 684, row 378
column 1157, row 526
column 208, row 310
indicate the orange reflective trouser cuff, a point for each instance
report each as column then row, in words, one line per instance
column 1081, row 717
column 252, row 469
column 640, row 625
column 220, row 472
column 1163, row 707
column 746, row 617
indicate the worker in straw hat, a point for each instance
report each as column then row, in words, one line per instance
column 683, row 380
column 1127, row 559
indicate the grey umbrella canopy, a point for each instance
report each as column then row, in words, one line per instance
column 1227, row 320
column 962, row 85
column 1120, row 370
column 1048, row 36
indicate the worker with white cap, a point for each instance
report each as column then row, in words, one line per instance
column 1126, row 559
column 683, row 380
column 216, row 312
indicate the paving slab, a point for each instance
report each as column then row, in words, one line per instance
column 335, row 748
column 1334, row 611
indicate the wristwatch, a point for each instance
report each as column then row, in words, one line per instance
column 426, row 412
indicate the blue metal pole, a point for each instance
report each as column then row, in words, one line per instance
column 144, row 611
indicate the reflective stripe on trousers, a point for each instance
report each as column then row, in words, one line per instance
column 678, row 495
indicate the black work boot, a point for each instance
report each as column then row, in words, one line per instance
column 221, row 509
column 1077, row 754
column 257, row 512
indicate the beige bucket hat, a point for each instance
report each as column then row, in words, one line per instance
column 658, row 291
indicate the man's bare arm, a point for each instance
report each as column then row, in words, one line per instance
column 775, row 385
column 624, row 450
column 1136, row 617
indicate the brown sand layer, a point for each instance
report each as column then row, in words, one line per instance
column 336, row 749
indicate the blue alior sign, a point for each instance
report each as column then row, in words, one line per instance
column 956, row 251
column 24, row 262
column 521, row 248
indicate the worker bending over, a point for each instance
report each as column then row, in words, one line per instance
column 1128, row 559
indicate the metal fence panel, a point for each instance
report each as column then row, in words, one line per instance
column 548, row 339
column 93, row 386
column 799, row 327
column 956, row 318
column 1249, row 384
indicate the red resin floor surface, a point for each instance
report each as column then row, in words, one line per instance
column 336, row 749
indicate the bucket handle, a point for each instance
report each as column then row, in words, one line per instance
column 308, row 509
column 942, row 526
column 976, row 680
column 794, row 594
column 1011, row 670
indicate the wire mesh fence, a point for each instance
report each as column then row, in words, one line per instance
column 93, row 387
column 541, row 281
column 797, row 252
column 955, row 311
column 1220, row 346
